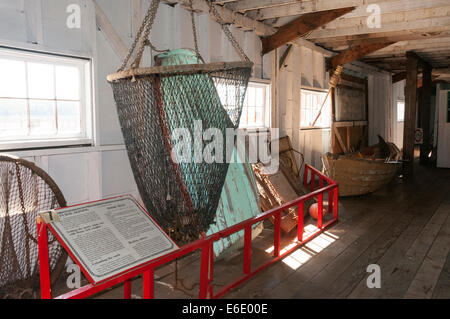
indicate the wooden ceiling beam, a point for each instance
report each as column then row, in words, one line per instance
column 420, row 25
column 248, row 5
column 355, row 53
column 341, row 42
column 293, row 8
column 399, row 77
column 301, row 26
column 228, row 16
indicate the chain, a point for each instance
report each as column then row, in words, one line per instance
column 141, row 40
column 145, row 28
column 194, row 30
column 227, row 31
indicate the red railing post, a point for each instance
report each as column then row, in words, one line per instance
column 44, row 266
column 127, row 289
column 335, row 203
column 277, row 234
column 305, row 176
column 320, row 211
column 313, row 180
column 330, row 201
column 204, row 271
column 247, row 249
column 211, row 269
column 149, row 284
column 300, row 221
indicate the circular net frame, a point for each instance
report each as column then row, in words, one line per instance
column 25, row 190
column 181, row 196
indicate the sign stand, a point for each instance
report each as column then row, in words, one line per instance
column 110, row 240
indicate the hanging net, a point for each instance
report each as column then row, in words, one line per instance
column 176, row 102
column 25, row 190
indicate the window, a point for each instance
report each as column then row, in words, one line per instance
column 311, row 102
column 400, row 111
column 44, row 100
column 256, row 106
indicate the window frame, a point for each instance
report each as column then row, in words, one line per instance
column 266, row 115
column 314, row 90
column 84, row 65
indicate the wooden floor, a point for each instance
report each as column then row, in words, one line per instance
column 404, row 228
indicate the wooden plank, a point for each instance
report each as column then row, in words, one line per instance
column 300, row 26
column 339, row 138
column 410, row 113
column 301, row 7
column 442, row 289
column 237, row 19
column 110, row 33
column 398, row 77
column 355, row 53
column 350, row 123
column 427, row 276
column 248, row 5
column 286, row 55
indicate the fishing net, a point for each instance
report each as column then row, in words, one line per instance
column 25, row 190
column 153, row 103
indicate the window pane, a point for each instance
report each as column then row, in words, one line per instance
column 259, row 97
column 259, row 116
column 251, row 96
column 67, row 83
column 41, row 82
column 42, row 117
column 69, row 118
column 12, row 79
column 251, row 116
column 13, row 118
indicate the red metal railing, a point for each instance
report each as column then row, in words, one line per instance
column 206, row 247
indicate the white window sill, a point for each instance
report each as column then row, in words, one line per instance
column 39, row 144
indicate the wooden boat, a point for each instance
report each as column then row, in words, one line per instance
column 358, row 175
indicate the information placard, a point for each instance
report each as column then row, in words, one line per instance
column 111, row 236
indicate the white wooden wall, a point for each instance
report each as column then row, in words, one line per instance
column 380, row 106
column 103, row 170
column 443, row 129
column 305, row 69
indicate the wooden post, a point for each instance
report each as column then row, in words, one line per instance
column 425, row 114
column 410, row 113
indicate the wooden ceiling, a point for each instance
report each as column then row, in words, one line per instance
column 421, row 26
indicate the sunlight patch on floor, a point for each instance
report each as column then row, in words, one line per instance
column 299, row 257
